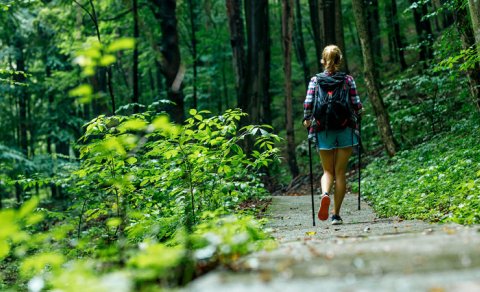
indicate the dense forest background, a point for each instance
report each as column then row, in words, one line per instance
column 133, row 129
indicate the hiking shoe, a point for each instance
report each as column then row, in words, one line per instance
column 336, row 220
column 324, row 205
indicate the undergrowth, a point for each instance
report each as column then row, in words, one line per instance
column 437, row 181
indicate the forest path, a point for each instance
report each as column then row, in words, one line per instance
column 364, row 254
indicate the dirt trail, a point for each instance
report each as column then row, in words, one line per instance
column 364, row 254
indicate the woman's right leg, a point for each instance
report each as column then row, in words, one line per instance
column 327, row 158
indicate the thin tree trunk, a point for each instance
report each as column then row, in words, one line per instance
column 381, row 114
column 299, row 43
column 392, row 48
column 339, row 34
column 468, row 41
column 424, row 31
column 136, row 35
column 447, row 14
column 427, row 28
column 22, row 95
column 237, row 41
column 266, row 115
column 474, row 7
column 373, row 21
column 398, row 36
column 317, row 30
column 170, row 61
column 418, row 29
column 224, row 81
column 329, row 24
column 50, row 144
column 193, row 39
column 287, row 23
column 108, row 72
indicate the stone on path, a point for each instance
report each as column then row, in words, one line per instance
column 364, row 254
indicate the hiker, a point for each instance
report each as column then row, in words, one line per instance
column 332, row 123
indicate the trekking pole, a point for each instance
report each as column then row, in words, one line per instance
column 311, row 175
column 359, row 157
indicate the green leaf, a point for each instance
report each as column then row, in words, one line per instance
column 133, row 125
column 36, row 263
column 107, row 60
column 28, row 207
column 114, row 222
column 192, row 112
column 81, row 90
column 131, row 160
column 4, row 249
column 34, row 219
column 121, row 44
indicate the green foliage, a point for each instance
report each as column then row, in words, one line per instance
column 144, row 162
column 44, row 262
column 152, row 203
column 436, row 181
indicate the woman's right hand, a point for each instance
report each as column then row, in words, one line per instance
column 307, row 123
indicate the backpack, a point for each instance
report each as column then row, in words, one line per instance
column 332, row 108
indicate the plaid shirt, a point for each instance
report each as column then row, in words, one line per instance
column 308, row 103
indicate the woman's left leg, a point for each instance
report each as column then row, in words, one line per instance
column 341, row 161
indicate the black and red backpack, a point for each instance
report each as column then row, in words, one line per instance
column 332, row 107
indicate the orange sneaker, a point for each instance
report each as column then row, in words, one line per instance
column 324, row 205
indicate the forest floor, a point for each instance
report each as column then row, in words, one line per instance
column 366, row 253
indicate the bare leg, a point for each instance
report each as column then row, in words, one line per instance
column 341, row 161
column 328, row 163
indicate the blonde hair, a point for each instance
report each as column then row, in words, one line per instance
column 332, row 58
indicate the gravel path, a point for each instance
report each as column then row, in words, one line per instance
column 366, row 253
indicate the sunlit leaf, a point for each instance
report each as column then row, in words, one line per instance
column 81, row 90
column 131, row 160
column 107, row 60
column 121, row 44
column 4, row 249
column 28, row 207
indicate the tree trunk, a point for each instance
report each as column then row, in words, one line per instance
column 474, row 7
column 399, row 44
column 170, row 61
column 266, row 115
column 381, row 114
column 237, row 41
column 339, row 35
column 329, row 25
column 256, row 14
column 427, row 28
column 468, row 40
column 317, row 31
column 424, row 31
column 447, row 14
column 193, row 39
column 136, row 34
column 373, row 22
column 108, row 72
column 22, row 95
column 392, row 49
column 287, row 23
column 299, row 43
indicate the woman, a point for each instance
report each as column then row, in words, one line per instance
column 335, row 146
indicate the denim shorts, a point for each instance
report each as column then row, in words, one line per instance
column 332, row 139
